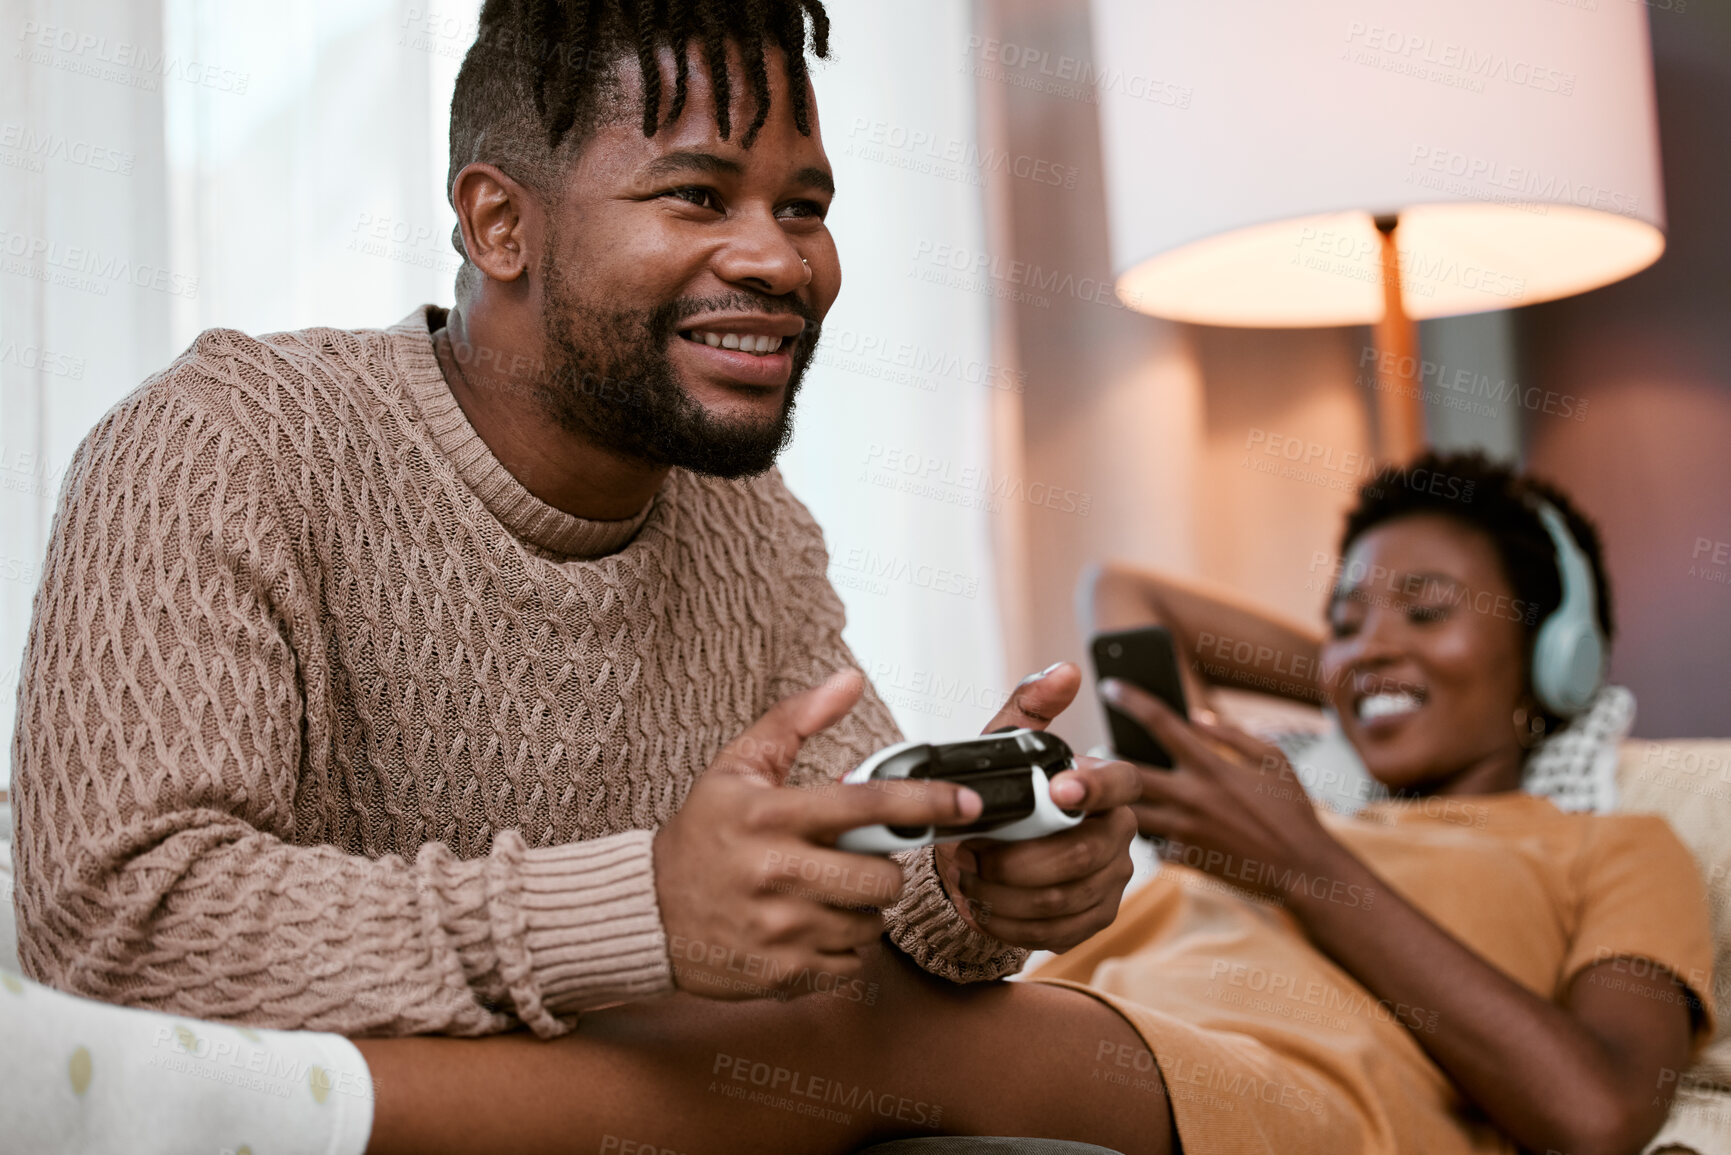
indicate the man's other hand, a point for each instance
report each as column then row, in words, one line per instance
column 1054, row 892
column 755, row 899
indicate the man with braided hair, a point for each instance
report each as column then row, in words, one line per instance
column 481, row 672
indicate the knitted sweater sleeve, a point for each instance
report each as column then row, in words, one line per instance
column 172, row 810
column 923, row 922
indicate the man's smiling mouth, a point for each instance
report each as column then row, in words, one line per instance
column 758, row 344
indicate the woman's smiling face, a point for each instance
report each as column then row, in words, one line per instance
column 1426, row 657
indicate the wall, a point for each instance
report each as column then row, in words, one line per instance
column 1110, row 413
column 1652, row 357
column 1162, row 425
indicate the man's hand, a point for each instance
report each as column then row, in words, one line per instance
column 755, row 899
column 1054, row 892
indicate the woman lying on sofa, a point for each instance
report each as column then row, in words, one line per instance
column 1462, row 967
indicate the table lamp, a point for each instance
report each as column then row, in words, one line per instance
column 1275, row 163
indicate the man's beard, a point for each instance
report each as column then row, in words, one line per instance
column 610, row 379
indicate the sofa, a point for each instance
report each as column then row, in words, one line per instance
column 1688, row 781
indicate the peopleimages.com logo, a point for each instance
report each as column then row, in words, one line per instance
column 1424, row 57
column 85, row 268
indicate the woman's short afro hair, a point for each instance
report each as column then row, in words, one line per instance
column 1493, row 498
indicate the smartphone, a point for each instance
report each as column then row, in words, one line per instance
column 1146, row 659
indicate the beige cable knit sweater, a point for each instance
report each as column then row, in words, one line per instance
column 327, row 722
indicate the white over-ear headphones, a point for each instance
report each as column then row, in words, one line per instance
column 1569, row 650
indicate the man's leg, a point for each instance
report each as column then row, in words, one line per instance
column 819, row 1073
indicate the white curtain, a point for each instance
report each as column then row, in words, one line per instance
column 171, row 165
column 893, row 444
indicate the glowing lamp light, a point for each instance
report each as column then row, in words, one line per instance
column 1498, row 154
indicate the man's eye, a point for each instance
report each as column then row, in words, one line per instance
column 1425, row 615
column 702, row 197
column 811, row 209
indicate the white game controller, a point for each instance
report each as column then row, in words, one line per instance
column 1010, row 771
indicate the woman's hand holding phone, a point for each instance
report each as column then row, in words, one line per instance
column 1146, row 658
column 1231, row 805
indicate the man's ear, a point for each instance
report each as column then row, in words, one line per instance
column 493, row 213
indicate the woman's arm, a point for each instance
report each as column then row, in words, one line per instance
column 1220, row 640
column 1577, row 1077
